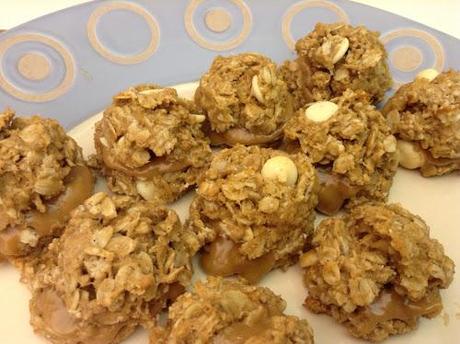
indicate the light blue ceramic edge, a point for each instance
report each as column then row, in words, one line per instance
column 177, row 58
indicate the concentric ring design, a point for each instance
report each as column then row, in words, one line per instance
column 218, row 45
column 301, row 6
column 413, row 62
column 64, row 85
column 98, row 13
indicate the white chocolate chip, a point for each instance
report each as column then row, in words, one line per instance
column 428, row 74
column 321, row 111
column 341, row 50
column 389, row 144
column 103, row 141
column 198, row 118
column 409, row 155
column 29, row 237
column 146, row 189
column 280, row 168
column 255, row 89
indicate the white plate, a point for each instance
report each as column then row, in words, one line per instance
column 436, row 200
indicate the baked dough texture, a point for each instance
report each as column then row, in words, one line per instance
column 427, row 114
column 149, row 143
column 324, row 69
column 267, row 221
column 42, row 178
column 231, row 311
column 354, row 151
column 119, row 263
column 245, row 100
column 376, row 270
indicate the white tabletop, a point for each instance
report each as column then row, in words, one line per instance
column 439, row 14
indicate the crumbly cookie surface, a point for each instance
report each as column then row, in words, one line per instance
column 230, row 311
column 245, row 100
column 119, row 262
column 376, row 270
column 427, row 114
column 354, row 151
column 149, row 143
column 336, row 57
column 42, row 178
column 252, row 224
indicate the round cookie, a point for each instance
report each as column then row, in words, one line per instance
column 149, row 143
column 42, row 178
column 351, row 145
column 255, row 208
column 119, row 262
column 245, row 100
column 376, row 270
column 426, row 118
column 336, row 57
column 230, row 311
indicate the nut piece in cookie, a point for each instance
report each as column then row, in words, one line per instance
column 336, row 57
column 425, row 115
column 43, row 177
column 231, row 311
column 351, row 145
column 119, row 262
column 255, row 208
column 245, row 100
column 149, row 143
column 376, row 270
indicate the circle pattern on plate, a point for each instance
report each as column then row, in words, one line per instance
column 224, row 32
column 218, row 20
column 44, row 69
column 34, row 66
column 410, row 51
column 104, row 47
column 301, row 6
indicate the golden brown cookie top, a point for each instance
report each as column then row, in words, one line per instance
column 426, row 114
column 230, row 311
column 327, row 44
column 374, row 247
column 245, row 202
column 42, row 177
column 118, row 257
column 148, row 128
column 149, row 143
column 346, row 137
column 336, row 57
column 244, row 92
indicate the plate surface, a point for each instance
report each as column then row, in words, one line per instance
column 174, row 43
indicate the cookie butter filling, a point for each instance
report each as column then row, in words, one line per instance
column 234, row 136
column 392, row 306
column 79, row 186
column 240, row 333
column 223, row 258
column 52, row 311
column 159, row 165
column 333, row 192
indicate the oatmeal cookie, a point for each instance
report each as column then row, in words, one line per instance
column 336, row 57
column 351, row 145
column 224, row 311
column 376, row 270
column 245, row 100
column 119, row 262
column 42, row 178
column 149, row 143
column 255, row 209
column 426, row 118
